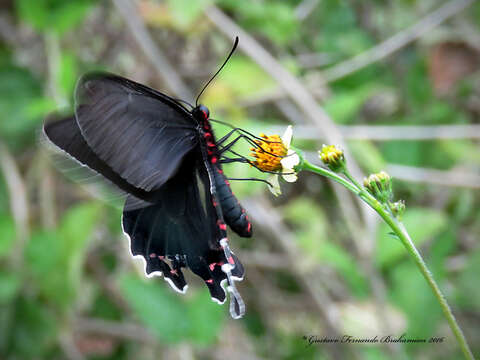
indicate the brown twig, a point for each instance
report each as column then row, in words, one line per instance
column 108, row 285
column 67, row 344
column 116, row 329
column 456, row 177
column 263, row 259
column 18, row 202
column 390, row 132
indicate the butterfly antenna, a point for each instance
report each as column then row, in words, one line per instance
column 221, row 67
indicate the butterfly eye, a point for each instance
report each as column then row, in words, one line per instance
column 205, row 111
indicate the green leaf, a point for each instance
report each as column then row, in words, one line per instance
column 411, row 293
column 43, row 255
column 67, row 74
column 35, row 329
column 243, row 78
column 9, row 287
column 440, row 250
column 56, row 15
column 367, row 155
column 460, row 151
column 185, row 12
column 468, row 291
column 345, row 105
column 422, row 225
column 75, row 231
column 8, row 233
column 55, row 259
column 392, row 234
column 157, row 307
column 253, row 15
column 17, row 117
column 419, row 90
column 169, row 318
column 46, row 269
column 346, row 265
column 314, row 240
column 205, row 317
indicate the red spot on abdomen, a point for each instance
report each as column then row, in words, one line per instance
column 214, row 160
column 210, row 281
column 230, row 260
column 249, row 227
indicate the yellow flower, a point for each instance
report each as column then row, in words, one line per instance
column 332, row 157
column 274, row 154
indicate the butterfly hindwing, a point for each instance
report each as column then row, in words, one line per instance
column 182, row 230
column 140, row 133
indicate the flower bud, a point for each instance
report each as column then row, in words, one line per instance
column 380, row 186
column 332, row 157
column 398, row 208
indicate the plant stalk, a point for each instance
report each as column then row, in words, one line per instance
column 399, row 229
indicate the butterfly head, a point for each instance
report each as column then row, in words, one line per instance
column 201, row 113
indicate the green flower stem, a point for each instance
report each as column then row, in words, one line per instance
column 354, row 181
column 399, row 230
column 330, row 174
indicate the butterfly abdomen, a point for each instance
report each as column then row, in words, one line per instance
column 234, row 214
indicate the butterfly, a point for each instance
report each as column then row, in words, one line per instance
column 166, row 159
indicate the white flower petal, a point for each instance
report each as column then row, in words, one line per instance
column 291, row 160
column 275, row 188
column 289, row 175
column 287, row 136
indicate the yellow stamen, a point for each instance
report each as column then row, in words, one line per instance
column 269, row 153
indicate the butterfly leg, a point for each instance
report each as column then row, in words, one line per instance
column 243, row 133
column 225, row 137
column 243, row 159
column 240, row 130
column 229, row 146
column 234, row 141
column 251, row 179
column 225, row 160
column 250, row 138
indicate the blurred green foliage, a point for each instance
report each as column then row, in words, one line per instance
column 77, row 266
column 52, row 15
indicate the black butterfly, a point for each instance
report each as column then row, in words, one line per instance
column 166, row 159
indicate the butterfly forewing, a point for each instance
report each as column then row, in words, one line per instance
column 141, row 134
column 83, row 165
